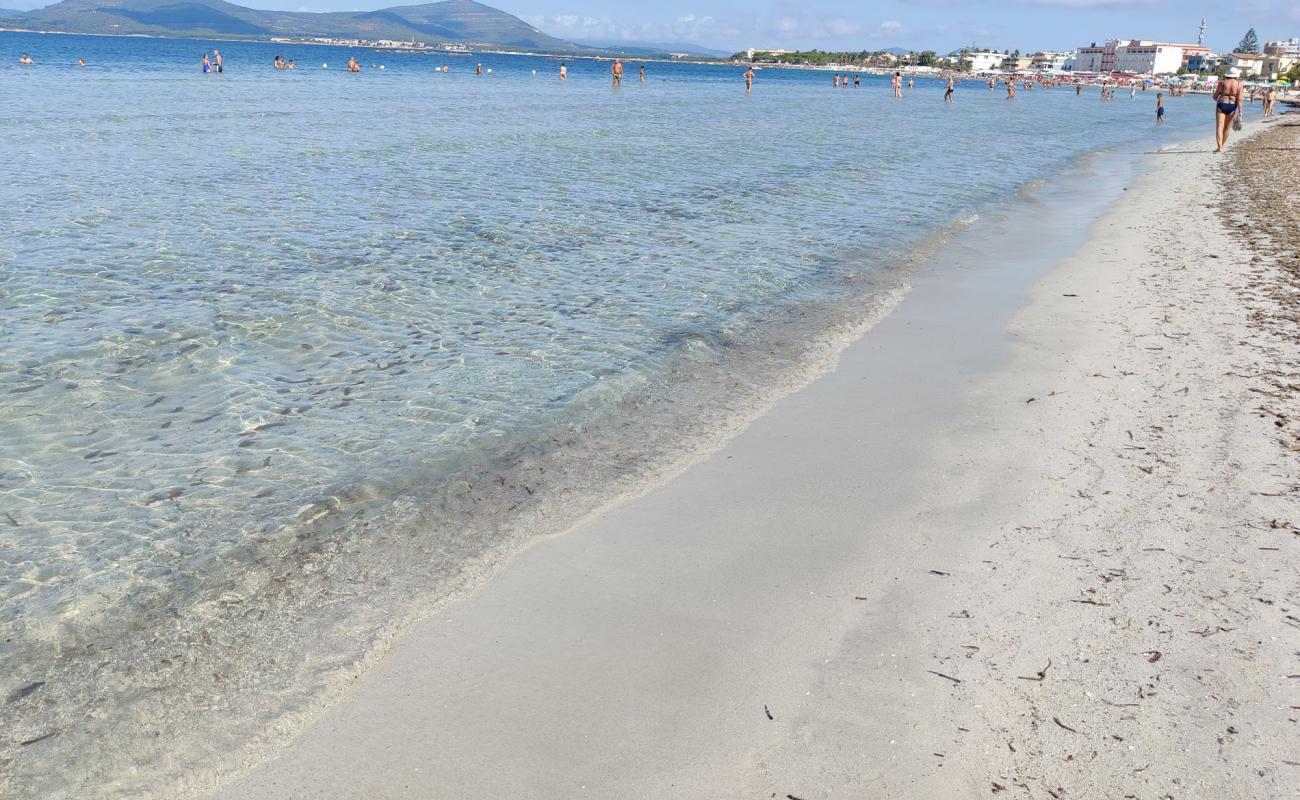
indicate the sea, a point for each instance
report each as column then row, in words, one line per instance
column 291, row 359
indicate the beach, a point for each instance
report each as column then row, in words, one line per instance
column 699, row 449
column 1051, row 553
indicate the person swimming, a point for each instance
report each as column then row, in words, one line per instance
column 353, row 66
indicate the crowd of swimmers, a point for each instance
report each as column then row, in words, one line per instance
column 1230, row 94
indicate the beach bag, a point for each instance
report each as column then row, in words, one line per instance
column 1236, row 123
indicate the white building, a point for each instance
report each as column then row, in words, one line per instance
column 1137, row 56
column 1048, row 60
column 1289, row 48
column 983, row 60
column 1149, row 58
column 1248, row 63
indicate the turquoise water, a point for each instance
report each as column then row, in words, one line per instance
column 286, row 357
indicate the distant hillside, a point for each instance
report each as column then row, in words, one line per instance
column 459, row 21
column 8, row 12
column 660, row 49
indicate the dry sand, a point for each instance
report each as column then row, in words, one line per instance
column 942, row 570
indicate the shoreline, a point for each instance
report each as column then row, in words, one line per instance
column 247, row 666
column 696, row 559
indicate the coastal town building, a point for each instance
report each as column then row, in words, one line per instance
column 1248, row 63
column 749, row 54
column 983, row 60
column 1288, row 48
column 1136, row 56
column 1048, row 60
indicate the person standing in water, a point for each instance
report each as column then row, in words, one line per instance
column 857, row 79
column 564, row 71
column 749, row 79
column 897, row 83
column 217, row 62
column 1227, row 106
column 478, row 69
column 353, row 66
column 909, row 81
column 837, row 80
column 1011, row 89
column 205, row 63
column 616, row 71
column 641, row 73
column 947, row 93
column 1160, row 108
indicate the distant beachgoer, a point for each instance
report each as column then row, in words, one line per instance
column 353, row 66
column 25, row 59
column 642, row 73
column 1160, row 108
column 478, row 69
column 1078, row 89
column 564, row 71
column 206, row 64
column 81, row 62
column 909, row 81
column 1011, row 89
column 992, row 84
column 947, row 93
column 218, row 63
column 1227, row 108
column 897, row 83
column 446, row 68
column 1132, row 92
column 616, row 72
column 837, row 80
column 1270, row 97
column 749, row 79
column 290, row 65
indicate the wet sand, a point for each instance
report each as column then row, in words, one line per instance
column 1047, row 551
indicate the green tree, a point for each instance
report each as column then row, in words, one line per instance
column 926, row 58
column 1249, row 43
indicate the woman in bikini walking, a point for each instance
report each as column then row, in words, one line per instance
column 1227, row 106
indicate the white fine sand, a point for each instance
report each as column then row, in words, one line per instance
column 1119, row 527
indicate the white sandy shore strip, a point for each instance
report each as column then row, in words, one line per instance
column 1082, row 583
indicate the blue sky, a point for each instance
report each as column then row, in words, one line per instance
column 919, row 24
column 941, row 25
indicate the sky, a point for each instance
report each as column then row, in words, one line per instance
column 940, row 25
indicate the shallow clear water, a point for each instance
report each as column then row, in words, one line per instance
column 280, row 351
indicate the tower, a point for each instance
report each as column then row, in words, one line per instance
column 1200, row 40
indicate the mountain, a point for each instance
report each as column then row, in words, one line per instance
column 660, row 49
column 460, row 21
column 9, row 12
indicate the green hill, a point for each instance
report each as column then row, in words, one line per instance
column 458, row 21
